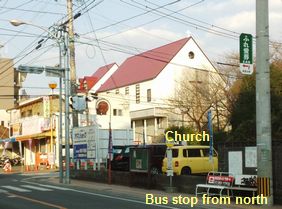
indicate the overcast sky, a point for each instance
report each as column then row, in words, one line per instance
column 127, row 27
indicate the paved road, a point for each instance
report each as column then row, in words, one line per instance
column 18, row 191
column 42, row 190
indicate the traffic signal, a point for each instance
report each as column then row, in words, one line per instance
column 78, row 103
column 30, row 69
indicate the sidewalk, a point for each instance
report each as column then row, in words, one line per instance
column 136, row 193
column 133, row 192
column 22, row 169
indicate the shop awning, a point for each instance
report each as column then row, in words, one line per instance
column 35, row 136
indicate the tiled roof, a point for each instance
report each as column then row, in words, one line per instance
column 144, row 66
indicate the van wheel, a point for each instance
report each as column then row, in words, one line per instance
column 155, row 171
column 186, row 171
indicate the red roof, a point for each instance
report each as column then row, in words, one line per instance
column 102, row 71
column 90, row 81
column 94, row 78
column 144, row 66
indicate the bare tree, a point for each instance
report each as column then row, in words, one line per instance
column 199, row 91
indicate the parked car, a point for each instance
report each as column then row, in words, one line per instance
column 188, row 160
column 120, row 159
column 157, row 153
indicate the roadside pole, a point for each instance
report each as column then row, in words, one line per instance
column 263, row 116
column 67, row 132
column 169, row 171
column 71, row 48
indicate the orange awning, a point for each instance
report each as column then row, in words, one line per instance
column 35, row 136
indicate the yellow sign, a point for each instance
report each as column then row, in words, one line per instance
column 46, row 107
column 169, row 142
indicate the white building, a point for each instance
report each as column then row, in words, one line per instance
column 139, row 89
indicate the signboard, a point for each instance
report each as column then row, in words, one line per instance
column 235, row 162
column 246, row 54
column 251, row 157
column 17, row 129
column 169, row 162
column 220, row 180
column 84, row 142
column 139, row 159
column 54, row 72
column 46, row 107
column 30, row 69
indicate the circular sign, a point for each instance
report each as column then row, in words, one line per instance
column 102, row 108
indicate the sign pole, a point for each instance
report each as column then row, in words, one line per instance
column 263, row 114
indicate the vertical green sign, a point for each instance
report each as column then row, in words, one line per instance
column 246, row 53
column 139, row 159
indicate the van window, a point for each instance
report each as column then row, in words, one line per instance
column 174, row 152
column 194, row 153
column 185, row 153
column 206, row 152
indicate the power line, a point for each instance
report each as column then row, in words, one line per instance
column 23, row 4
column 32, row 43
column 132, row 17
column 33, row 11
column 183, row 21
column 197, row 20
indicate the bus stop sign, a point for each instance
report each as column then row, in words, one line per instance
column 246, row 54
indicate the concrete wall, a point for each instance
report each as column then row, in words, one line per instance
column 185, row 184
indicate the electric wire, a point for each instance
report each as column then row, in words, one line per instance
column 132, row 17
column 183, row 21
column 148, row 22
column 32, row 44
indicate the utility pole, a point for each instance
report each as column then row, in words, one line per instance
column 67, row 132
column 72, row 59
column 263, row 116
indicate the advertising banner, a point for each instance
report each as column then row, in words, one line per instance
column 84, row 142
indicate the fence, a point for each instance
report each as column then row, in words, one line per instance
column 224, row 148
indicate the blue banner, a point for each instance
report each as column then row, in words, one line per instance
column 80, row 151
column 211, row 134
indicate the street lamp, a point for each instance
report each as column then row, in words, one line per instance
column 110, row 146
column 58, row 40
column 20, row 22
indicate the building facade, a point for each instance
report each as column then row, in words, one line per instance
column 142, row 86
column 34, row 124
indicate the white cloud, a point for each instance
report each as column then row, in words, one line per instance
column 240, row 22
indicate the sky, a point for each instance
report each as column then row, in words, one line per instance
column 113, row 30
